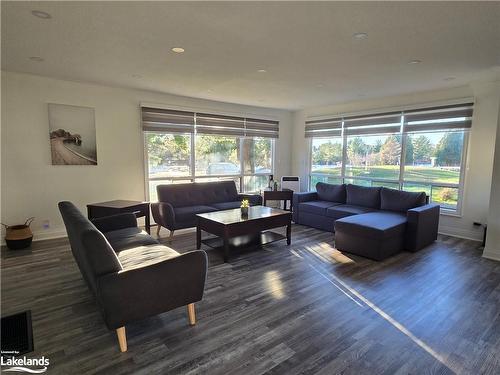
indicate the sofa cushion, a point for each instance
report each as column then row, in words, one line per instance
column 128, row 237
column 188, row 213
column 363, row 196
column 197, row 193
column 141, row 256
column 226, row 205
column 401, row 201
column 344, row 210
column 330, row 192
column 375, row 225
column 316, row 207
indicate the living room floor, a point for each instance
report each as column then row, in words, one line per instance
column 306, row 308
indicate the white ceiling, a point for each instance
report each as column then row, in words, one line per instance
column 307, row 49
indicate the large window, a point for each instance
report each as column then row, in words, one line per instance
column 181, row 149
column 418, row 150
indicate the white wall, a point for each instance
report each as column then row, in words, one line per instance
column 480, row 151
column 31, row 186
column 492, row 249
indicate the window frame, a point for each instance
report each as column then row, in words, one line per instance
column 400, row 181
column 192, row 176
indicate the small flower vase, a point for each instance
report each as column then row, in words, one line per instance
column 244, row 211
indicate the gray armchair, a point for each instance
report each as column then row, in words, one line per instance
column 130, row 274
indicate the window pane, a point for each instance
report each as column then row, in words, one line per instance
column 417, row 188
column 358, row 182
column 327, row 156
column 210, row 179
column 447, row 197
column 257, row 155
column 329, row 180
column 153, row 197
column 391, row 185
column 254, row 184
column 169, row 155
column 434, row 157
column 376, row 156
column 217, row 155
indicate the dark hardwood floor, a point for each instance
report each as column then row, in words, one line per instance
column 302, row 309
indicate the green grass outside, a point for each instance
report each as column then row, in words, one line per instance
column 391, row 172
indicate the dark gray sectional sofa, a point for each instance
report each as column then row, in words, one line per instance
column 374, row 222
column 178, row 204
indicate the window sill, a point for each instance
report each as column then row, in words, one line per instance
column 450, row 213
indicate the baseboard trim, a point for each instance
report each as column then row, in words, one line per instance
column 460, row 233
column 44, row 235
column 492, row 254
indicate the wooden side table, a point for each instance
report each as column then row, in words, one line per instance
column 140, row 209
column 279, row 195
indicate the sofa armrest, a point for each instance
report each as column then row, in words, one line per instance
column 115, row 222
column 422, row 227
column 138, row 293
column 302, row 197
column 163, row 214
column 254, row 199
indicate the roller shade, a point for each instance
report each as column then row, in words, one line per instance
column 373, row 124
column 174, row 121
column 451, row 117
column 261, row 128
column 324, row 128
column 219, row 124
column 167, row 120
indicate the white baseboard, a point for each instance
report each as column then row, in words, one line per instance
column 45, row 235
column 491, row 254
column 460, row 233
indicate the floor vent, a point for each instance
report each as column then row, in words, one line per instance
column 17, row 334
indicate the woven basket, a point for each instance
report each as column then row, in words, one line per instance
column 19, row 236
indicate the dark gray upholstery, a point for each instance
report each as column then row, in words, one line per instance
column 344, row 210
column 178, row 204
column 363, row 196
column 126, row 238
column 401, row 201
column 375, row 222
column 131, row 275
column 375, row 235
column 316, row 207
column 332, row 193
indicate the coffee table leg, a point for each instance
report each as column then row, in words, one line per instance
column 198, row 238
column 226, row 249
column 289, row 234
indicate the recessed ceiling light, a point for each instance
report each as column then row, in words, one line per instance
column 36, row 58
column 41, row 14
column 413, row 62
column 360, row 36
column 262, row 71
column 178, row 49
column 449, row 78
column 136, row 76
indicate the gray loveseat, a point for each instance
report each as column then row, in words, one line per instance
column 374, row 222
column 178, row 204
column 130, row 274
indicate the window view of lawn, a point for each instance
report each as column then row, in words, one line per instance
column 432, row 162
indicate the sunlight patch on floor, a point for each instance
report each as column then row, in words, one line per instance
column 353, row 294
column 274, row 284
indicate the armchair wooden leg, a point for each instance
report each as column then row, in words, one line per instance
column 122, row 339
column 171, row 237
column 191, row 314
column 158, row 230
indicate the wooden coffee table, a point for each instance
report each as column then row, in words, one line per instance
column 235, row 231
column 140, row 209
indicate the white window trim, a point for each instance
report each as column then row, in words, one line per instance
column 443, row 211
column 192, row 176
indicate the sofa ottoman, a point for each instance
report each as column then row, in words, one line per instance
column 375, row 235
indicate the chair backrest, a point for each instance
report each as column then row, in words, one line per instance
column 197, row 193
column 92, row 252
